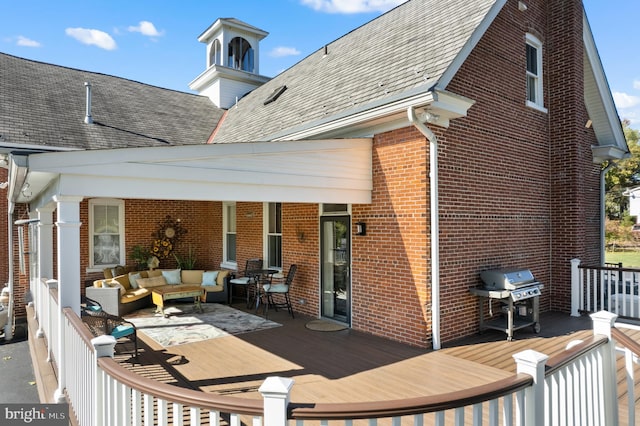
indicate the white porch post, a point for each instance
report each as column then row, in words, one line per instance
column 68, row 252
column 603, row 322
column 532, row 363
column 275, row 392
column 575, row 288
column 45, row 259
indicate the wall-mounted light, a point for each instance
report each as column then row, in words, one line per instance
column 361, row 228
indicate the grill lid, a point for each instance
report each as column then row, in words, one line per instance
column 506, row 278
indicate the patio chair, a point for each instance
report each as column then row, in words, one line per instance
column 247, row 280
column 282, row 289
column 100, row 322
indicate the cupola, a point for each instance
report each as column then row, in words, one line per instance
column 232, row 71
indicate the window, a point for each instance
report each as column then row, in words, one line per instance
column 106, row 233
column 215, row 54
column 273, row 237
column 240, row 55
column 535, row 96
column 229, row 233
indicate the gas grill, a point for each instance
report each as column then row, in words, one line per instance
column 517, row 292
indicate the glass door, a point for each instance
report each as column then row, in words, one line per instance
column 335, row 259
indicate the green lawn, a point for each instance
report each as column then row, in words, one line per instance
column 629, row 259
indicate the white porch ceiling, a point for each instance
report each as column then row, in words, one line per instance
column 319, row 171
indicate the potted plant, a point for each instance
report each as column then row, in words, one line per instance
column 188, row 261
column 140, row 255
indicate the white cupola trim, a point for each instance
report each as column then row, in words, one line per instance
column 232, row 65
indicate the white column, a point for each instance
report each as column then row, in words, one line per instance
column 575, row 288
column 532, row 363
column 603, row 322
column 275, row 392
column 68, row 252
column 45, row 259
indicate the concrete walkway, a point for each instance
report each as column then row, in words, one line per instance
column 17, row 382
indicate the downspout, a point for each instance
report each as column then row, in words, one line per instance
column 603, row 173
column 435, row 230
column 8, row 328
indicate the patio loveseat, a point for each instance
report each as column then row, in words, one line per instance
column 128, row 292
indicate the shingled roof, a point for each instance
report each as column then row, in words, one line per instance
column 406, row 48
column 44, row 105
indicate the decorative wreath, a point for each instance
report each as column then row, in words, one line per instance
column 169, row 232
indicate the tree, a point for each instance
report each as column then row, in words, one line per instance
column 623, row 175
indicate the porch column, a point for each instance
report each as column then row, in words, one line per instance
column 68, row 251
column 45, row 260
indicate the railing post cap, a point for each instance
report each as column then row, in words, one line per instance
column 530, row 356
column 575, row 261
column 276, row 385
column 104, row 345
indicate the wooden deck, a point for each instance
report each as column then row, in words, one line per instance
column 345, row 366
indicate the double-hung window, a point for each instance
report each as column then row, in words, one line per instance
column 535, row 97
column 229, row 233
column 273, row 235
column 106, row 233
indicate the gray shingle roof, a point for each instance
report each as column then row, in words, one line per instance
column 409, row 46
column 44, row 105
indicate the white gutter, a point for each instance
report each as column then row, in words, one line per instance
column 435, row 229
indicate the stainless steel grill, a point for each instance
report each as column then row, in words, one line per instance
column 518, row 293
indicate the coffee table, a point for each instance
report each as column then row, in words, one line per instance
column 161, row 294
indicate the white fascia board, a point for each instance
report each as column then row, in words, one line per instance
column 604, row 90
column 329, row 171
column 388, row 114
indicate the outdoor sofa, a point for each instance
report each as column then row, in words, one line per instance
column 131, row 291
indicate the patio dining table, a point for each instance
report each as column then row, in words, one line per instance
column 259, row 277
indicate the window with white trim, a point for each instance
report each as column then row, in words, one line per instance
column 215, row 54
column 273, row 235
column 106, row 233
column 535, row 97
column 229, row 233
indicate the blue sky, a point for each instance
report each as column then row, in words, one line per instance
column 155, row 42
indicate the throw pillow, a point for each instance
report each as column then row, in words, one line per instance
column 133, row 279
column 172, row 277
column 118, row 285
column 209, row 277
column 152, row 282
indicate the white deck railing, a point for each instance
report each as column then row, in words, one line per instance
column 577, row 384
column 605, row 288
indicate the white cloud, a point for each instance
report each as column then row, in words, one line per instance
column 624, row 100
column 27, row 42
column 92, row 37
column 352, row 6
column 146, row 28
column 282, row 51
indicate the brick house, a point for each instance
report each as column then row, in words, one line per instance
column 461, row 137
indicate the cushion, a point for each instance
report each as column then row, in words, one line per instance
column 221, row 276
column 123, row 280
column 133, row 279
column 209, row 278
column 172, row 276
column 115, row 283
column 192, row 276
column 154, row 273
column 107, row 272
column 241, row 280
column 122, row 330
column 152, row 282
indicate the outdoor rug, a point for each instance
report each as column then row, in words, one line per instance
column 185, row 325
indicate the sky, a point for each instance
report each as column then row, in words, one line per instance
column 155, row 42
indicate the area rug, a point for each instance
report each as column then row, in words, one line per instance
column 185, row 325
column 322, row 325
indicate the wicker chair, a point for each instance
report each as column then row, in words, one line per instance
column 282, row 289
column 100, row 323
